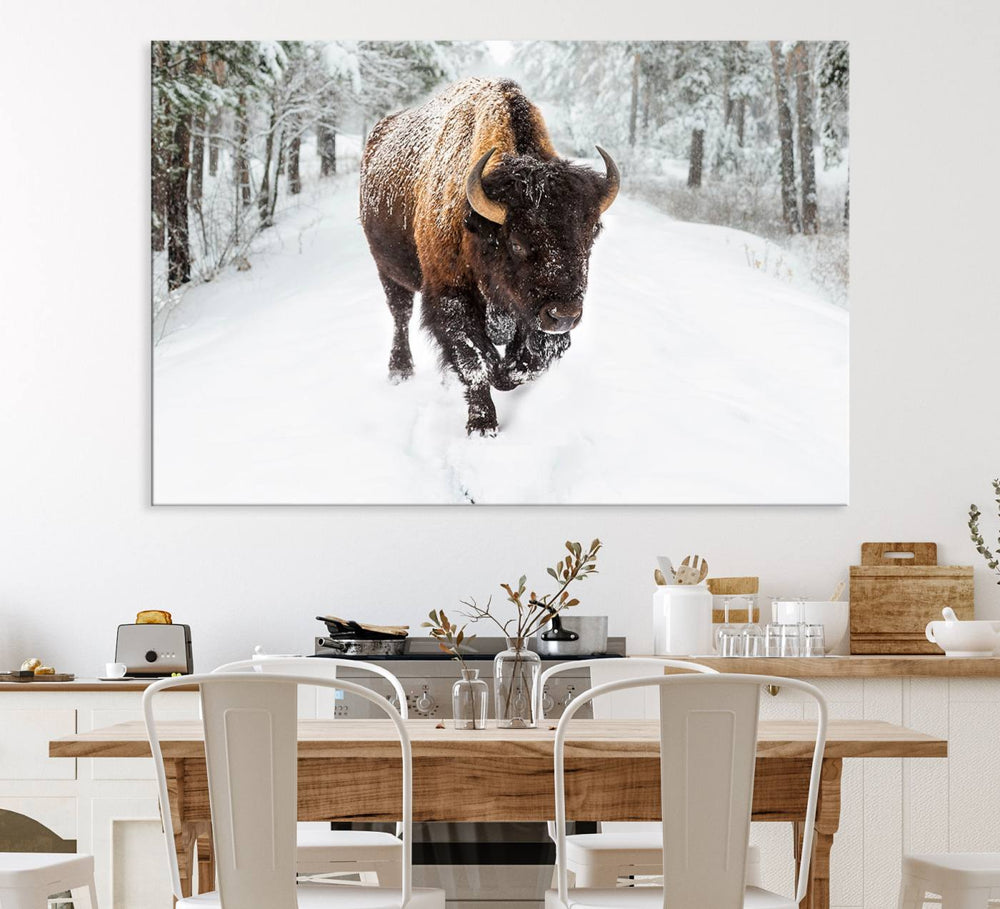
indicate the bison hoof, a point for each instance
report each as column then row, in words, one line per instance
column 482, row 426
column 487, row 432
column 397, row 376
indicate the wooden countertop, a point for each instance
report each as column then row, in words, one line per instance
column 371, row 739
column 829, row 667
column 855, row 667
column 83, row 685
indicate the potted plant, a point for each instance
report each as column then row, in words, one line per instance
column 470, row 695
column 516, row 669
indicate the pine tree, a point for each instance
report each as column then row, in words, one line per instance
column 801, row 64
column 789, row 204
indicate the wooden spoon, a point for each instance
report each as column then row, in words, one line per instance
column 692, row 570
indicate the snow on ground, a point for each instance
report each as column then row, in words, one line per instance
column 693, row 378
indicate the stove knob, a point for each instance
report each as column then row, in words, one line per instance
column 150, row 656
column 548, row 701
column 424, row 704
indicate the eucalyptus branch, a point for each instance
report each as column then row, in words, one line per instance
column 449, row 636
column 482, row 612
column 534, row 611
column 992, row 558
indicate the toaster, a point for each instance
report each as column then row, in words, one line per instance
column 154, row 650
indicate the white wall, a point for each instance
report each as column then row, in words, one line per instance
column 80, row 548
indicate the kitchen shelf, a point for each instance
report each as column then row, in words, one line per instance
column 853, row 667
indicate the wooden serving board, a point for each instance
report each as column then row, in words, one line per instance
column 51, row 677
column 896, row 590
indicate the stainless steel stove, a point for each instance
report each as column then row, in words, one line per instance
column 427, row 674
column 479, row 865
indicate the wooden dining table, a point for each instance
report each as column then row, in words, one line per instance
column 349, row 770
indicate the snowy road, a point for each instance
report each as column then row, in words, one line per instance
column 694, row 377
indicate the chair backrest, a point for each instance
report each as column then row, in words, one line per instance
column 708, row 747
column 319, row 667
column 631, row 668
column 251, row 751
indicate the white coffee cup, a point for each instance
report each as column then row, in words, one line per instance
column 115, row 670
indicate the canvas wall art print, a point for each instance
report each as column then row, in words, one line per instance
column 539, row 272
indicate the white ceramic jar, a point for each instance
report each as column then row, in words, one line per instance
column 682, row 620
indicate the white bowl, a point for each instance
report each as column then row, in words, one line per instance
column 975, row 638
column 833, row 615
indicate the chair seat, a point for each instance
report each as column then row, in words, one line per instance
column 348, row 845
column 38, row 870
column 955, row 870
column 638, row 848
column 322, row 896
column 652, row 898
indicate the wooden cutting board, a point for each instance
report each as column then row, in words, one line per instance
column 896, row 590
column 50, row 677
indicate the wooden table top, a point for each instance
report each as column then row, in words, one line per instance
column 586, row 738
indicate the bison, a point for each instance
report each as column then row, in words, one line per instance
column 465, row 201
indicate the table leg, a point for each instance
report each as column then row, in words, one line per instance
column 186, row 846
column 187, row 833
column 827, row 823
column 206, row 859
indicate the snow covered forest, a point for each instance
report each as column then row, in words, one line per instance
column 229, row 120
column 270, row 328
column 740, row 134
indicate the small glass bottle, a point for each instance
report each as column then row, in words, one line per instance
column 470, row 698
column 515, row 679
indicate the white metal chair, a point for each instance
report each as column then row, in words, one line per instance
column 708, row 746
column 251, row 751
column 964, row 880
column 28, row 879
column 622, row 849
column 320, row 849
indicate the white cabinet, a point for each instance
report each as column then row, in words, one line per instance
column 107, row 805
column 891, row 806
column 24, row 744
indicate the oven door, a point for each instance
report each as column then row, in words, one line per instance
column 496, row 865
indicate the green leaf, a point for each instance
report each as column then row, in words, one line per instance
column 552, row 572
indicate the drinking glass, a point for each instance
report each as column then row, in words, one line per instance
column 753, row 640
column 730, row 641
column 784, row 640
column 791, row 612
column 813, row 641
column 728, row 633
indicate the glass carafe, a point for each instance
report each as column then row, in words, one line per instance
column 515, row 679
column 470, row 699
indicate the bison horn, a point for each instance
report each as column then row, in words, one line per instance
column 614, row 180
column 481, row 203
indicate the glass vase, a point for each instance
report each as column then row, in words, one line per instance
column 470, row 698
column 515, row 679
